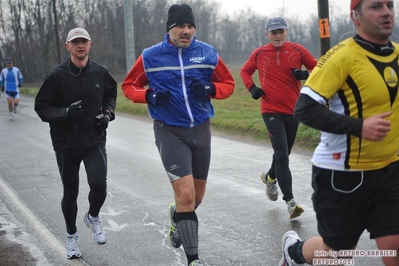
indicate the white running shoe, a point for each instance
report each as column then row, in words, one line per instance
column 289, row 239
column 271, row 188
column 97, row 232
column 72, row 245
column 294, row 209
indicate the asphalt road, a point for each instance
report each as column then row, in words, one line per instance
column 238, row 224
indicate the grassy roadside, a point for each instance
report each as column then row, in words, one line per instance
column 238, row 115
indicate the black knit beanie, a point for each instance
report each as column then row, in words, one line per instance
column 179, row 14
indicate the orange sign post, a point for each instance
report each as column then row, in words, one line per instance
column 324, row 28
column 324, row 25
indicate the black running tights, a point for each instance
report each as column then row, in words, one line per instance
column 95, row 162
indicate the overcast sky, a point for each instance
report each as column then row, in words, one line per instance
column 284, row 7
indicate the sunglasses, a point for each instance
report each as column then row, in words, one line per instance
column 275, row 32
column 79, row 41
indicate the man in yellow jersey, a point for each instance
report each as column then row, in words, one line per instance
column 352, row 98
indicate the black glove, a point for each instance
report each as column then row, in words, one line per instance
column 2, row 88
column 19, row 85
column 101, row 121
column 203, row 89
column 157, row 98
column 75, row 111
column 256, row 92
column 300, row 74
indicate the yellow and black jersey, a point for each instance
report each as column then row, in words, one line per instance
column 356, row 82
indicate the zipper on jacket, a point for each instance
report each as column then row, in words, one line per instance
column 278, row 56
column 183, row 81
column 81, row 125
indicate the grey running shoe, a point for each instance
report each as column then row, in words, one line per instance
column 72, row 245
column 11, row 117
column 97, row 232
column 173, row 233
column 271, row 188
column 15, row 109
column 289, row 239
column 294, row 209
column 195, row 263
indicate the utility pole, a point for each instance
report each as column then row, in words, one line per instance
column 57, row 35
column 324, row 25
column 129, row 34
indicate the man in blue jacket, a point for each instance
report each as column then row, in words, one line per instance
column 181, row 74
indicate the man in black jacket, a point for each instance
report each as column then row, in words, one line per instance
column 77, row 99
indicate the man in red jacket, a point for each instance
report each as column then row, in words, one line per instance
column 279, row 66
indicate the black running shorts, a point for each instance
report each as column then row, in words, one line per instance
column 184, row 151
column 347, row 203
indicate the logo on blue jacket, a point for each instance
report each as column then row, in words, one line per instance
column 197, row 59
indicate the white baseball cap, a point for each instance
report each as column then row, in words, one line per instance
column 77, row 33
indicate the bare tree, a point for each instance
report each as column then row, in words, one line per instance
column 29, row 32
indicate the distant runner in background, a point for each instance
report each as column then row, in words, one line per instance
column 11, row 80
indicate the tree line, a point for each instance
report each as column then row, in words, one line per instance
column 33, row 32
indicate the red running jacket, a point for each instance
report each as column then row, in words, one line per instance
column 275, row 75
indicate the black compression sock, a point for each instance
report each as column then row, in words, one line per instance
column 187, row 225
column 295, row 252
column 191, row 258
